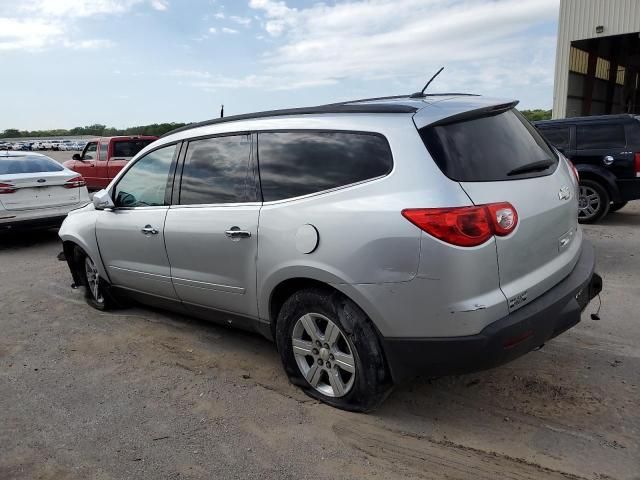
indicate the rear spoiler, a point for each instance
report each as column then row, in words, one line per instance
column 460, row 109
column 477, row 113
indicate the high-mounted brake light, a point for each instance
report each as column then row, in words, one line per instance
column 75, row 182
column 7, row 188
column 637, row 164
column 465, row 226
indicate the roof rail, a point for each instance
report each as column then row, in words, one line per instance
column 330, row 108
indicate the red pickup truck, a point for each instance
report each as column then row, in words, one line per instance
column 104, row 157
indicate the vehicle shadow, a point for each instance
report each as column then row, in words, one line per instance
column 14, row 240
column 624, row 217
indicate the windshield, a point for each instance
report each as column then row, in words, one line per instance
column 28, row 164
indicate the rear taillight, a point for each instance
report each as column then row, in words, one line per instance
column 465, row 226
column 75, row 182
column 637, row 164
column 7, row 188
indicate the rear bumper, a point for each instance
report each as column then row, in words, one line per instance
column 32, row 223
column 504, row 340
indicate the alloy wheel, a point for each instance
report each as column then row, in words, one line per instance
column 93, row 279
column 323, row 355
column 588, row 203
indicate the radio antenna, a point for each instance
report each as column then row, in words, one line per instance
column 221, row 111
column 421, row 94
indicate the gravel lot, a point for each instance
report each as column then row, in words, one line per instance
column 146, row 394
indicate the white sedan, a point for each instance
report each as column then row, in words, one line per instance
column 36, row 191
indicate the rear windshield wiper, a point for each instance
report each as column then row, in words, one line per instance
column 531, row 167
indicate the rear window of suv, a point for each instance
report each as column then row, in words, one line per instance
column 490, row 148
column 129, row 148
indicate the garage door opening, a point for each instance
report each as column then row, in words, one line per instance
column 604, row 76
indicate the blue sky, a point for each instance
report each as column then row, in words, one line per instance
column 68, row 63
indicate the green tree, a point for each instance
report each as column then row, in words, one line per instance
column 537, row 114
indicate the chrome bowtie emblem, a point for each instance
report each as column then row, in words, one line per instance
column 564, row 193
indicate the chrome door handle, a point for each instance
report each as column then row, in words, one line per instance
column 235, row 232
column 149, row 230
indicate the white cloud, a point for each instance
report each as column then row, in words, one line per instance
column 244, row 21
column 39, row 24
column 212, row 82
column 160, row 5
column 77, row 8
column 229, row 30
column 27, row 34
column 219, row 15
column 213, row 30
column 408, row 39
column 92, row 44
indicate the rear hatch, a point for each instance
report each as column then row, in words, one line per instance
column 31, row 182
column 497, row 156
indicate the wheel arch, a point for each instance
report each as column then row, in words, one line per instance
column 602, row 176
column 287, row 287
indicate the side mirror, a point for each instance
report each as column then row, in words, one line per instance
column 102, row 200
column 76, row 156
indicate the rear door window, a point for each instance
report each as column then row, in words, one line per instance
column 299, row 163
column 610, row 135
column 559, row 137
column 490, row 148
column 217, row 170
column 129, row 148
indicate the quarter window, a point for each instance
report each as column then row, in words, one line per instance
column 557, row 136
column 300, row 163
column 216, row 170
column 600, row 136
column 145, row 183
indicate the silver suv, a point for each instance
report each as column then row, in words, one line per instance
column 373, row 240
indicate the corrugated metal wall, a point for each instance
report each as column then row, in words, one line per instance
column 578, row 21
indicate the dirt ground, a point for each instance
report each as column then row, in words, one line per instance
column 147, row 394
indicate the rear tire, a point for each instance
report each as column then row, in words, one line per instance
column 593, row 202
column 96, row 289
column 337, row 357
column 615, row 206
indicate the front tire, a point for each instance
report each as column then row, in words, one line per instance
column 96, row 290
column 330, row 349
column 593, row 202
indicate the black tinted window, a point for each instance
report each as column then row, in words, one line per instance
column 216, row 170
column 129, row 148
column 600, row 136
column 145, row 183
column 299, row 163
column 557, row 136
column 489, row 149
column 28, row 164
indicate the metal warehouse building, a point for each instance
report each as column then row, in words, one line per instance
column 598, row 58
